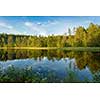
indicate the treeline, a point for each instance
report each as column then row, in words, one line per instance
column 80, row 37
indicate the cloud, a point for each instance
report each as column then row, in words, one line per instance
column 7, row 28
column 29, row 24
column 36, row 28
column 87, row 21
column 51, row 23
column 38, row 23
column 45, row 28
column 5, row 25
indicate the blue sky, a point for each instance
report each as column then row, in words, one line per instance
column 43, row 25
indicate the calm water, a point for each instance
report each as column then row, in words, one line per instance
column 60, row 62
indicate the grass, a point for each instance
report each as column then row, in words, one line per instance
column 96, row 76
column 62, row 48
column 73, row 74
column 28, row 75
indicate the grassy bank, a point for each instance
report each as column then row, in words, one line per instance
column 63, row 48
column 29, row 75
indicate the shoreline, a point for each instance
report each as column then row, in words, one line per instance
column 56, row 48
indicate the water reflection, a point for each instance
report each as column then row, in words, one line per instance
column 58, row 61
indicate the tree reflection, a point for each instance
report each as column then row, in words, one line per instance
column 83, row 59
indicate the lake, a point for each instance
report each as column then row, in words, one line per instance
column 52, row 66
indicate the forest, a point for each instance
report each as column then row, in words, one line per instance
column 78, row 37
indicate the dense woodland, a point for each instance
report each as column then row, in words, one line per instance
column 83, row 37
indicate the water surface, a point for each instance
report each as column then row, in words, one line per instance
column 84, row 64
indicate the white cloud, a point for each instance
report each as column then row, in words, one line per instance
column 51, row 23
column 45, row 28
column 87, row 21
column 7, row 28
column 39, row 23
column 5, row 25
column 35, row 28
column 28, row 24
